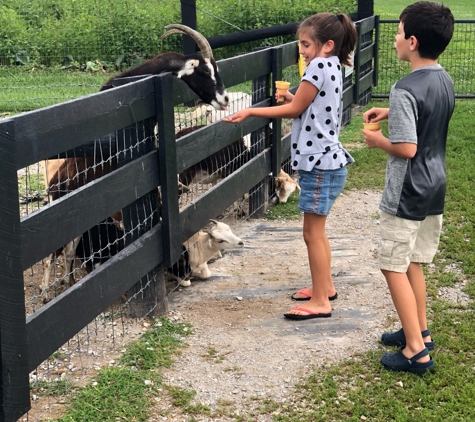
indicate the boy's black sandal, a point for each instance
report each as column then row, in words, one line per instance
column 398, row 338
column 398, row 362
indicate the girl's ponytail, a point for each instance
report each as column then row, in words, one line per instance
column 350, row 38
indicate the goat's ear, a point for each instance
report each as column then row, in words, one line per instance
column 188, row 68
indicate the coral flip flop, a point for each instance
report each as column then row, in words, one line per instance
column 310, row 313
column 309, row 296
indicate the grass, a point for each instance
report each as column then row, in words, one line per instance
column 30, row 88
column 125, row 391
column 391, row 10
column 358, row 388
column 354, row 390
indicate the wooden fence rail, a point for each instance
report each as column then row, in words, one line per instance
column 73, row 126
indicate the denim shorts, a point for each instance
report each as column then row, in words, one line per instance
column 319, row 189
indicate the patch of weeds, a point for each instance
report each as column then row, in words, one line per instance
column 212, row 354
column 53, row 388
column 269, row 406
column 232, row 369
column 125, row 392
column 182, row 398
column 287, row 211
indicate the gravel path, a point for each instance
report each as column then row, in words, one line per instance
column 243, row 347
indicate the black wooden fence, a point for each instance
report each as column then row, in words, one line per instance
column 130, row 112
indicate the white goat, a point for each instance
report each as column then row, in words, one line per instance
column 203, row 246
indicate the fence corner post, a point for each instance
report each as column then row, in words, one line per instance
column 14, row 376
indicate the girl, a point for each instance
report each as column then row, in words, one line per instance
column 326, row 41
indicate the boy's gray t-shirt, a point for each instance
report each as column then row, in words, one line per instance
column 315, row 132
column 421, row 105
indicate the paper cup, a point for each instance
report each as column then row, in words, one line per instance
column 371, row 126
column 281, row 87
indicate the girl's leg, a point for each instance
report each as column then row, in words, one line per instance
column 319, row 257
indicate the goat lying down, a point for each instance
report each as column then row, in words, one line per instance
column 200, row 248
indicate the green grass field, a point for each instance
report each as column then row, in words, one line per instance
column 461, row 9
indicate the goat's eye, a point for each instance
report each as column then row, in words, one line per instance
column 222, row 241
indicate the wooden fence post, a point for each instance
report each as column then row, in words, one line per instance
column 167, row 156
column 14, row 379
column 148, row 296
column 365, row 9
column 259, row 194
column 276, row 123
column 188, row 18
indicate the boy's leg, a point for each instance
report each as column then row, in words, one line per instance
column 405, row 302
column 418, row 284
column 319, row 257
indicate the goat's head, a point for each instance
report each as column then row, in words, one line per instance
column 284, row 186
column 200, row 72
column 223, row 236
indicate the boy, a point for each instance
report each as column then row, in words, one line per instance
column 421, row 105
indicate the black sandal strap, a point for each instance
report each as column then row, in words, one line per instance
column 419, row 355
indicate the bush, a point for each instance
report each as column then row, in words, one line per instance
column 108, row 31
column 13, row 35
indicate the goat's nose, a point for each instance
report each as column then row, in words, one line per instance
column 226, row 98
column 241, row 243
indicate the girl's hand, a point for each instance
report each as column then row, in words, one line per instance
column 238, row 117
column 287, row 96
column 375, row 115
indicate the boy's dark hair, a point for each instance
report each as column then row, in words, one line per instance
column 431, row 23
column 339, row 28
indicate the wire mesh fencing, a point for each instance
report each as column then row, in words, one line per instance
column 457, row 59
column 101, row 342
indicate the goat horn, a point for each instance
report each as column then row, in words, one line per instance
column 214, row 221
column 199, row 39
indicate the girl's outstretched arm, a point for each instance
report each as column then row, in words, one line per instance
column 304, row 96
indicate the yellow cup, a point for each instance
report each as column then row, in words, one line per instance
column 281, row 87
column 371, row 126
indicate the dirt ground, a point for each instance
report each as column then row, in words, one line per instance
column 243, row 347
column 243, row 350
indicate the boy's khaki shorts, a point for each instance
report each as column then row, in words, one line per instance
column 404, row 241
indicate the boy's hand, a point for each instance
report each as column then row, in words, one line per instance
column 238, row 117
column 373, row 138
column 375, row 114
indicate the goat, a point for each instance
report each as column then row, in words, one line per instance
column 199, row 72
column 92, row 249
column 218, row 165
column 200, row 248
column 284, row 186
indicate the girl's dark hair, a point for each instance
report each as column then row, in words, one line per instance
column 431, row 23
column 339, row 28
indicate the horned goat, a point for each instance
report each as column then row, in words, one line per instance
column 199, row 72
